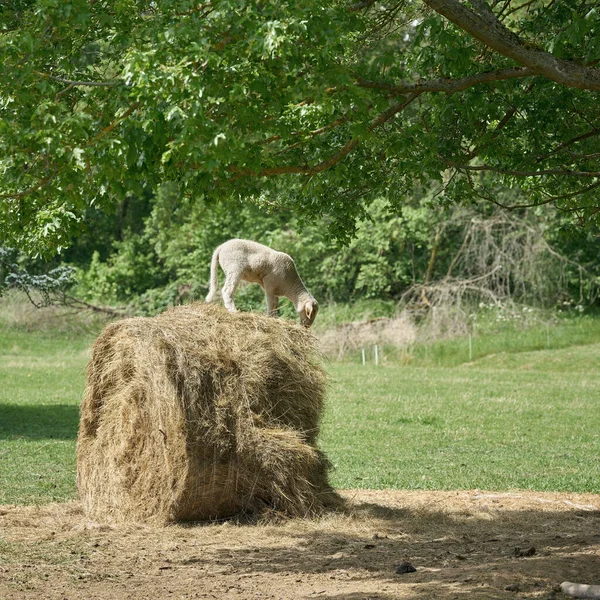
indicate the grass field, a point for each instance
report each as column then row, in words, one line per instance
column 475, row 426
column 519, row 415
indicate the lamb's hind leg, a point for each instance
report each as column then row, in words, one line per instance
column 232, row 280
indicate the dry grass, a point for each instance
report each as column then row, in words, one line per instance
column 201, row 414
column 338, row 341
column 17, row 312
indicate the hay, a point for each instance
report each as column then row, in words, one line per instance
column 202, row 414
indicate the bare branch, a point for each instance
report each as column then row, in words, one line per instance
column 73, row 302
column 503, row 259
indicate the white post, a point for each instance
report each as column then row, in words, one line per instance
column 376, row 356
column 363, row 357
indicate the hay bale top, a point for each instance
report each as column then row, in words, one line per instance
column 269, row 362
column 201, row 413
column 209, row 329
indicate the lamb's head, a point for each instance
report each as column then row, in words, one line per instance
column 308, row 311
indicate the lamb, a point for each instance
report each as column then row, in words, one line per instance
column 274, row 271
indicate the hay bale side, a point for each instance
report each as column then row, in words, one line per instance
column 200, row 414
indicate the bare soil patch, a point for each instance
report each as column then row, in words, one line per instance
column 466, row 544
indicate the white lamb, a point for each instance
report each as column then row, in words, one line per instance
column 274, row 271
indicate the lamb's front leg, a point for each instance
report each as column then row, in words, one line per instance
column 272, row 303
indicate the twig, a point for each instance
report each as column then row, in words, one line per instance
column 449, row 86
column 516, row 173
column 71, row 82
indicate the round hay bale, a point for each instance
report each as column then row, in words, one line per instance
column 198, row 414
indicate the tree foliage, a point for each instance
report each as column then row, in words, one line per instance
column 319, row 108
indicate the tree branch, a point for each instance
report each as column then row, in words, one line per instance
column 114, row 123
column 47, row 180
column 561, row 172
column 73, row 302
column 313, row 133
column 509, row 11
column 334, row 158
column 572, row 194
column 549, row 200
column 34, row 188
column 570, row 142
column 449, row 86
column 485, row 27
column 71, row 83
column 361, row 4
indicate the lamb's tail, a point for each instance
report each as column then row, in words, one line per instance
column 214, row 277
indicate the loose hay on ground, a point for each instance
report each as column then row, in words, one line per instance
column 200, row 414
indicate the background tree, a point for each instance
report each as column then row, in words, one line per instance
column 320, row 109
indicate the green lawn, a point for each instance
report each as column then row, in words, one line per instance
column 518, row 422
column 504, row 420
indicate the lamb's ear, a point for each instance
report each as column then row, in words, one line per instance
column 308, row 309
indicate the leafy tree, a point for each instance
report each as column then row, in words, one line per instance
column 320, row 108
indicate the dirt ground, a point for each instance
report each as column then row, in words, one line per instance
column 469, row 544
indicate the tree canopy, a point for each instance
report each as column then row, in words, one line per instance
column 317, row 107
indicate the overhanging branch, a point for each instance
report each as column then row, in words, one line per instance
column 518, row 173
column 334, row 158
column 484, row 26
column 72, row 82
column 449, row 86
column 34, row 188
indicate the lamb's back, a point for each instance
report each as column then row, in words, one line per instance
column 256, row 258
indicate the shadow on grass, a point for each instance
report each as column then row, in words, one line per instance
column 39, row 422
